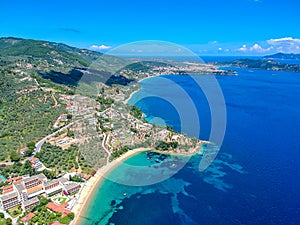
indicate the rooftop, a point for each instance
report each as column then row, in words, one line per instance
column 51, row 182
column 62, row 180
column 31, row 201
column 9, row 196
column 35, row 189
column 56, row 223
column 14, row 179
column 71, row 186
column 20, row 187
column 59, row 208
column 7, row 189
column 28, row 217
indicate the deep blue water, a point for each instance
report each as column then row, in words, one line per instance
column 255, row 177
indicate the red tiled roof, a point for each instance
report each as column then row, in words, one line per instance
column 34, row 159
column 35, row 189
column 23, row 149
column 14, row 179
column 7, row 189
column 56, row 223
column 59, row 208
column 28, row 217
column 86, row 176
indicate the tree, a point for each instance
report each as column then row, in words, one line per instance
column 8, row 221
column 71, row 215
column 43, row 200
column 14, row 156
column 27, row 165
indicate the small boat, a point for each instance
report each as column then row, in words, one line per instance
column 124, row 193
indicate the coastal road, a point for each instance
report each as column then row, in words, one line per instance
column 40, row 143
column 105, row 149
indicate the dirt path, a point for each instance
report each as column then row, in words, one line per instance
column 55, row 101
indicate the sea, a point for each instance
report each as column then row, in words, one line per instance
column 254, row 175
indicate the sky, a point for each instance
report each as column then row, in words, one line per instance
column 207, row 27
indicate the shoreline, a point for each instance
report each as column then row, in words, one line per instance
column 90, row 186
column 136, row 91
column 94, row 182
column 130, row 96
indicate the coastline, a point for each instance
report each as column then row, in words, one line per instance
column 93, row 183
column 130, row 96
column 136, row 91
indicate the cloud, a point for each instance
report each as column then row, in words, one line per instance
column 100, row 47
column 283, row 40
column 243, row 48
column 256, row 48
column 286, row 44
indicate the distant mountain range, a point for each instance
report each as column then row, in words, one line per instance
column 264, row 65
column 283, row 56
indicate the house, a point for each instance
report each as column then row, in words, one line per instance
column 23, row 150
column 71, row 188
column 59, row 208
column 36, row 163
column 30, row 203
column 27, row 217
column 85, row 176
column 9, row 200
column 56, row 223
column 63, row 117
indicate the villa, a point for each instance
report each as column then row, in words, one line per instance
column 27, row 217
column 36, row 163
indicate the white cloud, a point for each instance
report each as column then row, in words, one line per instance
column 283, row 40
column 256, row 48
column 286, row 44
column 243, row 48
column 100, row 47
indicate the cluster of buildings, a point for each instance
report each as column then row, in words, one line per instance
column 62, row 141
column 24, row 190
column 61, row 118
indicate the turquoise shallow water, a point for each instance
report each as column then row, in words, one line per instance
column 109, row 196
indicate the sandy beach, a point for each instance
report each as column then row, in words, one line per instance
column 93, row 183
column 130, row 96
